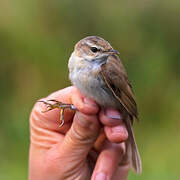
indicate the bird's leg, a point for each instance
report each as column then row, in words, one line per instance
column 61, row 106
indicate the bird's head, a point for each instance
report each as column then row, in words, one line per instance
column 93, row 48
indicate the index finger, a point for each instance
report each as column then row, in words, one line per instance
column 69, row 95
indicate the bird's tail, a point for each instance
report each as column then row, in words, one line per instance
column 132, row 150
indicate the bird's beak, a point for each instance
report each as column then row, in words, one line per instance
column 112, row 51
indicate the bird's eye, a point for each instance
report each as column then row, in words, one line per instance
column 94, row 49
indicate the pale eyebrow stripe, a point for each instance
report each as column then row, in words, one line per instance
column 92, row 45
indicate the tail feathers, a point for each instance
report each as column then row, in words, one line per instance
column 132, row 150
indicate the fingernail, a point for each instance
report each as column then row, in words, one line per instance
column 113, row 114
column 89, row 101
column 101, row 176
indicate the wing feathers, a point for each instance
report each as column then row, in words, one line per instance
column 116, row 79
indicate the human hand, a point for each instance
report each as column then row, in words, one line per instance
column 74, row 151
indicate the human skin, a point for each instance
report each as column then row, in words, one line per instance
column 72, row 152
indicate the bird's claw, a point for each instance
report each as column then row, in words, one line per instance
column 59, row 105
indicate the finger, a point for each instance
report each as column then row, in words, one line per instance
column 122, row 172
column 116, row 134
column 100, row 141
column 51, row 119
column 69, row 95
column 110, row 117
column 115, row 128
column 72, row 95
column 84, row 104
column 108, row 161
column 80, row 138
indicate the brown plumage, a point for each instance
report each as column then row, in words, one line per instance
column 96, row 70
column 115, row 77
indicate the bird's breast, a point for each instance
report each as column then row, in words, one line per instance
column 88, row 79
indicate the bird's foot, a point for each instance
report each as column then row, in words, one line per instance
column 57, row 104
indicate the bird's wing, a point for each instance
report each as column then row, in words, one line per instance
column 115, row 76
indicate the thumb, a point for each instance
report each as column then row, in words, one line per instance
column 81, row 137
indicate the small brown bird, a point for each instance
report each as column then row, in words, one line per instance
column 96, row 70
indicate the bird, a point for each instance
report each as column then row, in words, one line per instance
column 97, row 71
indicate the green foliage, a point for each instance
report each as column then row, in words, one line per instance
column 36, row 40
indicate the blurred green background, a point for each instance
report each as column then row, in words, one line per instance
column 36, row 40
